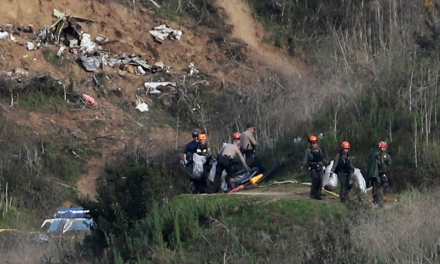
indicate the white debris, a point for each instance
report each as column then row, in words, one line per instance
column 60, row 51
column 143, row 107
column 162, row 32
column 73, row 43
column 30, row 46
column 156, row 87
column 58, row 14
column 87, row 45
column 4, row 35
column 140, row 70
column 192, row 69
column 20, row 71
column 101, row 39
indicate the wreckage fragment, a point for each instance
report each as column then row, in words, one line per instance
column 91, row 63
column 4, row 35
column 163, row 32
column 160, row 87
column 89, row 100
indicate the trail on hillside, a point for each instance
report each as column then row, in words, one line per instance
column 249, row 30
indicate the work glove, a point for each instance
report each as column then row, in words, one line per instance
column 184, row 162
column 301, row 169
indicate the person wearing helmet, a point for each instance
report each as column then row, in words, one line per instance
column 314, row 158
column 343, row 167
column 248, row 144
column 224, row 162
column 190, row 148
column 202, row 149
column 202, row 146
column 378, row 166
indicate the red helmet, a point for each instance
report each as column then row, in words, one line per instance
column 202, row 136
column 382, row 144
column 345, row 145
column 313, row 139
column 236, row 135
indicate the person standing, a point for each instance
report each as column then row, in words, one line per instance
column 343, row 167
column 202, row 149
column 378, row 166
column 314, row 158
column 224, row 162
column 190, row 149
column 248, row 144
column 237, row 165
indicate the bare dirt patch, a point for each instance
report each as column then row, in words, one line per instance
column 248, row 29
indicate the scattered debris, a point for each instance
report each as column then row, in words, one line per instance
column 87, row 45
column 30, row 46
column 91, row 63
column 89, row 100
column 65, row 28
column 13, row 39
column 162, row 32
column 192, row 69
column 160, row 87
column 22, row 72
column 140, row 104
column 60, row 51
column 4, row 35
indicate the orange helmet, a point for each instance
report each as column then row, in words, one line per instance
column 236, row 135
column 345, row 145
column 313, row 139
column 202, row 136
column 382, row 144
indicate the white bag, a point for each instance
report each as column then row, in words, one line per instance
column 199, row 160
column 330, row 180
column 359, row 179
column 212, row 172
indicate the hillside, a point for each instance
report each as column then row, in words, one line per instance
column 127, row 32
column 345, row 70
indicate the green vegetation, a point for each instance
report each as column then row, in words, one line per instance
column 51, row 57
column 373, row 76
column 202, row 12
column 41, row 92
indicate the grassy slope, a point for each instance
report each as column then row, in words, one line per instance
column 242, row 229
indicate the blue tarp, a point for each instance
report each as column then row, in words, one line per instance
column 70, row 219
column 68, row 225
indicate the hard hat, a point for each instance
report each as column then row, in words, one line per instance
column 313, row 139
column 345, row 145
column 195, row 134
column 202, row 136
column 236, row 135
column 382, row 144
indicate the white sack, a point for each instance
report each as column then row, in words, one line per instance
column 198, row 166
column 330, row 180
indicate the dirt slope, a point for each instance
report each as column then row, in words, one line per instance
column 128, row 28
column 248, row 29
